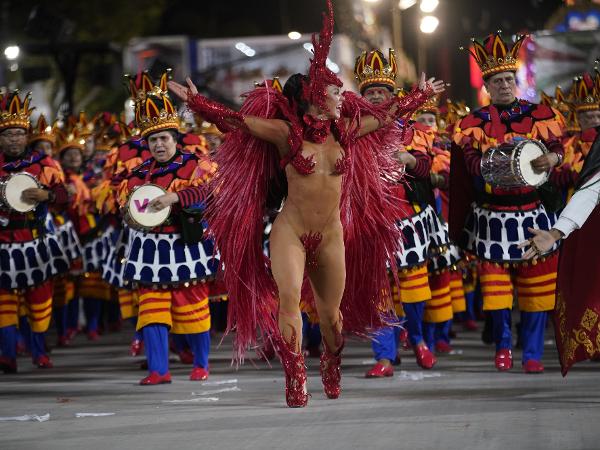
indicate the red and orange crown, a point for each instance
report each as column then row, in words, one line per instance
column 154, row 110
column 74, row 134
column 14, row 112
column 585, row 92
column 43, row 131
column 493, row 55
column 373, row 68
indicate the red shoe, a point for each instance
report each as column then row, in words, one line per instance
column 154, row 378
column 296, row 395
column 21, row 349
column 136, row 347
column 43, row 362
column 199, row 374
column 8, row 365
column 63, row 341
column 503, row 360
column 442, row 347
column 533, row 366
column 425, row 359
column 380, row 371
column 331, row 374
column 186, row 357
column 93, row 335
column 470, row 325
column 71, row 333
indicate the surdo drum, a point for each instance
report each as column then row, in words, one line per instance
column 11, row 190
column 509, row 165
column 138, row 214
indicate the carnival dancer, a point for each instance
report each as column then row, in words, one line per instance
column 170, row 262
column 312, row 131
column 577, row 299
column 130, row 153
column 42, row 139
column 437, row 317
column 91, row 289
column 489, row 221
column 584, row 105
column 30, row 253
column 376, row 78
column 445, row 273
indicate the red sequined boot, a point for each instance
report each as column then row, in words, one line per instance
column 331, row 374
column 296, row 395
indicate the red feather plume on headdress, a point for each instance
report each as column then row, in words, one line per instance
column 319, row 75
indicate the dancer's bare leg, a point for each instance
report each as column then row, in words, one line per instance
column 328, row 282
column 287, row 266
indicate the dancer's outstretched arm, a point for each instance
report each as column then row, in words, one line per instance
column 274, row 131
column 401, row 106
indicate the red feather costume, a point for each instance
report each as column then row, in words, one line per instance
column 248, row 166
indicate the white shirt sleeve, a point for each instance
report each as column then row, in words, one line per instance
column 579, row 207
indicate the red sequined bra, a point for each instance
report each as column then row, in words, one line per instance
column 316, row 131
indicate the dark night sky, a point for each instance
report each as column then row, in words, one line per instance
column 459, row 20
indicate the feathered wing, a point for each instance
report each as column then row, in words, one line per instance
column 369, row 212
column 245, row 167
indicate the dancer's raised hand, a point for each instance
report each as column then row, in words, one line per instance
column 182, row 91
column 431, row 84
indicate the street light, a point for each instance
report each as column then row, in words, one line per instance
column 429, row 24
column 294, row 35
column 12, row 52
column 405, row 4
column 428, row 6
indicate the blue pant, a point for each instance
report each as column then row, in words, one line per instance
column 38, row 345
column 92, row 308
column 73, row 314
column 385, row 343
column 501, row 324
column 60, row 320
column 311, row 333
column 24, row 334
column 414, row 321
column 200, row 345
column 156, row 345
column 533, row 325
column 8, row 341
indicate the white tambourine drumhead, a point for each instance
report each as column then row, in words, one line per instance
column 138, row 210
column 12, row 190
column 531, row 150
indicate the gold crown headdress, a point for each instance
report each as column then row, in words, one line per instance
column 75, row 133
column 43, row 131
column 585, row 92
column 493, row 55
column 14, row 112
column 154, row 110
column 373, row 68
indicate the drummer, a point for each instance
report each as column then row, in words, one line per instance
column 168, row 264
column 490, row 222
column 25, row 237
